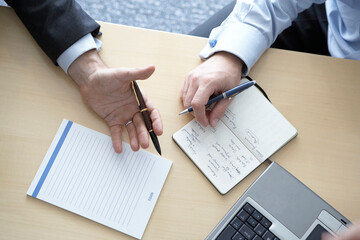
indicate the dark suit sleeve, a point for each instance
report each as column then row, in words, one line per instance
column 54, row 24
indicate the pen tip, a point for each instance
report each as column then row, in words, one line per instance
column 183, row 112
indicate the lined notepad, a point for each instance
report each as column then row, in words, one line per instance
column 83, row 174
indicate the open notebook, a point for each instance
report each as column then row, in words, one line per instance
column 251, row 130
column 83, row 174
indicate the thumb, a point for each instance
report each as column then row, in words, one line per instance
column 142, row 73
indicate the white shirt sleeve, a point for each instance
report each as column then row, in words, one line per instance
column 83, row 45
column 252, row 27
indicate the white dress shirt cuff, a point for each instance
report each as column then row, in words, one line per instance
column 240, row 39
column 83, row 45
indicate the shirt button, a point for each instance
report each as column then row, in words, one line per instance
column 212, row 42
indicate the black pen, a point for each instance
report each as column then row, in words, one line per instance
column 145, row 113
column 227, row 94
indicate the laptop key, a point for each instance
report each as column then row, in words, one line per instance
column 257, row 238
column 252, row 222
column 247, row 232
column 260, row 230
column 257, row 215
column 265, row 222
column 243, row 215
column 248, row 208
column 236, row 223
column 268, row 236
column 238, row 236
column 227, row 233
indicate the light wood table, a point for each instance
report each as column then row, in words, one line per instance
column 319, row 95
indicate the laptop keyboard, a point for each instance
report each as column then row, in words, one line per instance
column 247, row 224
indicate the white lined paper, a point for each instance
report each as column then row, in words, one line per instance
column 87, row 177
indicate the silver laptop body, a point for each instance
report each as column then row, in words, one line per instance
column 295, row 212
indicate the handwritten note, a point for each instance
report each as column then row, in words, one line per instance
column 258, row 124
column 83, row 174
column 218, row 153
column 251, row 130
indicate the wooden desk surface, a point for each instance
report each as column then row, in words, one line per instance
column 319, row 95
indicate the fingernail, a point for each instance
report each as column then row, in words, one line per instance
column 118, row 148
column 214, row 122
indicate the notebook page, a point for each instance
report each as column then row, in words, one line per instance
column 258, row 124
column 217, row 152
column 83, row 174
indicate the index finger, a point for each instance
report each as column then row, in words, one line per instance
column 154, row 115
column 198, row 103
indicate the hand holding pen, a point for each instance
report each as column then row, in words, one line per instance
column 227, row 94
column 108, row 92
column 220, row 72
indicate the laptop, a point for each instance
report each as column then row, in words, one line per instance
column 278, row 206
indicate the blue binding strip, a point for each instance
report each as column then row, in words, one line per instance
column 52, row 159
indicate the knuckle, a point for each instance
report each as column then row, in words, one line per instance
column 122, row 74
column 207, row 80
column 127, row 74
column 196, row 103
column 143, row 135
column 117, row 74
column 194, row 77
column 189, row 76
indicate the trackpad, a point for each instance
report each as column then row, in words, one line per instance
column 316, row 233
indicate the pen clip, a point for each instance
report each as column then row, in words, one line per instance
column 136, row 96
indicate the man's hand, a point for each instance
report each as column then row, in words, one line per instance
column 108, row 92
column 353, row 233
column 219, row 73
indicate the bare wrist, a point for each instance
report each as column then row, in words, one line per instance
column 84, row 66
column 231, row 59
